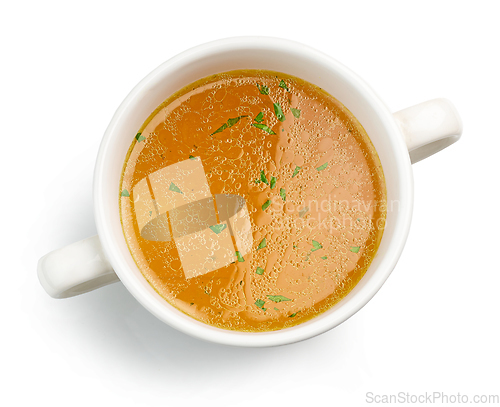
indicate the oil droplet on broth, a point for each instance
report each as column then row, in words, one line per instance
column 289, row 216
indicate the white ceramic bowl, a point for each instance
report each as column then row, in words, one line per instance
column 422, row 129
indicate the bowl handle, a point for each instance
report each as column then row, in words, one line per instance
column 429, row 127
column 75, row 269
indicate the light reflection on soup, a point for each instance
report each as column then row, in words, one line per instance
column 252, row 200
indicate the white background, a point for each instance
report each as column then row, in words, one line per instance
column 433, row 327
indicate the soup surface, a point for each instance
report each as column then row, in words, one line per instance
column 252, row 200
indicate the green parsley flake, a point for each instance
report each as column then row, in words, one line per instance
column 260, row 303
column 263, row 177
column 260, row 271
column 192, row 157
column 316, row 245
column 303, row 211
column 295, row 112
column 175, row 188
column 266, row 204
column 264, row 127
column 291, row 316
column 218, row 228
column 259, row 117
column 262, row 244
column 229, row 123
column 278, row 298
column 273, row 182
column 322, row 167
column 125, row 193
column 324, row 257
column 240, row 257
column 263, row 89
column 283, row 85
column 139, row 137
column 354, row 249
column 283, row 194
column 232, row 122
column 296, row 171
column 278, row 112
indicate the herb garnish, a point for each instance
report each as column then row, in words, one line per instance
column 260, row 303
column 262, row 244
column 263, row 177
column 192, row 157
column 354, row 249
column 316, row 245
column 278, row 112
column 125, row 193
column 264, row 127
column 303, row 211
column 322, row 167
column 295, row 112
column 278, row 298
column 283, row 194
column 283, row 85
column 263, row 89
column 296, row 171
column 273, row 182
column 218, row 228
column 259, row 271
column 259, row 117
column 139, row 137
column 229, row 123
column 240, row 257
column 175, row 188
column 266, row 204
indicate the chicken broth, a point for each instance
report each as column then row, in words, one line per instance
column 252, row 200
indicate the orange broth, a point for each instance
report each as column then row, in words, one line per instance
column 306, row 183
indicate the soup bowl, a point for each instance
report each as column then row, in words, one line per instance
column 400, row 139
